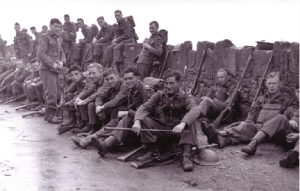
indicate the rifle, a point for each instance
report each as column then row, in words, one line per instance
column 199, row 72
column 164, row 65
column 15, row 98
column 27, row 105
column 128, row 155
column 142, row 164
column 262, row 82
column 216, row 123
column 62, row 129
column 40, row 113
column 130, row 129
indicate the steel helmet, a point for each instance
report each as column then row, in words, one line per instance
column 208, row 158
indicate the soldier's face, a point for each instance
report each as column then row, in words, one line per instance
column 131, row 80
column 112, row 80
column 20, row 64
column 95, row 74
column 171, row 85
column 101, row 23
column 44, row 29
column 35, row 66
column 118, row 16
column 222, row 77
column 273, row 84
column 76, row 76
column 79, row 24
column 55, row 28
column 17, row 28
column 33, row 31
column 153, row 29
column 67, row 19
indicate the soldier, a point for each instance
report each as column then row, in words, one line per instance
column 124, row 35
column 211, row 106
column 44, row 29
column 260, row 121
column 10, row 68
column 69, row 37
column 85, row 100
column 138, row 93
column 2, row 47
column 52, row 59
column 88, row 38
column 28, row 87
column 36, row 41
column 105, row 36
column 152, row 48
column 22, row 45
column 175, row 105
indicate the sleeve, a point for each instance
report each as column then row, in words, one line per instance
column 253, row 112
column 126, row 34
column 120, row 98
column 16, row 46
column 72, row 88
column 23, row 76
column 30, row 43
column 108, row 34
column 83, row 95
column 99, row 35
column 88, row 37
column 36, row 80
column 289, row 113
column 94, row 95
column 62, row 55
column 157, row 49
column 145, row 109
column 42, row 51
column 193, row 111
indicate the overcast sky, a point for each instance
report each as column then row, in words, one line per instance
column 242, row 21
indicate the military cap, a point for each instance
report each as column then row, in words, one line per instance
column 152, row 81
column 44, row 26
column 17, row 23
column 23, row 29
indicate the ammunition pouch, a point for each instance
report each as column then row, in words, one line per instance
column 268, row 111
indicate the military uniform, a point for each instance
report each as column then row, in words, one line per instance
column 23, row 46
column 219, row 94
column 264, row 116
column 77, row 56
column 35, row 44
column 2, row 48
column 173, row 110
column 148, row 56
column 125, row 34
column 105, row 36
column 30, row 90
column 69, row 37
column 49, row 52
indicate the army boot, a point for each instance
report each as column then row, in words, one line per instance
column 72, row 119
column 291, row 160
column 100, row 145
column 251, row 148
column 80, row 142
column 187, row 164
column 52, row 118
column 85, row 129
column 152, row 150
column 223, row 142
column 46, row 116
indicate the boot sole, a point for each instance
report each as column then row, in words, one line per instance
column 97, row 144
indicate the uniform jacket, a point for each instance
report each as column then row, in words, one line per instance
column 146, row 55
column 283, row 99
column 33, row 75
column 21, row 75
column 113, row 97
column 97, row 89
column 106, row 34
column 22, row 44
column 49, row 50
column 37, row 37
column 69, row 27
column 2, row 48
column 292, row 113
column 174, row 108
column 88, row 35
column 125, row 30
column 75, row 87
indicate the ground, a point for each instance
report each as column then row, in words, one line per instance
column 34, row 157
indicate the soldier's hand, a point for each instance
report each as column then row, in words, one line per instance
column 145, row 45
column 114, row 41
column 292, row 137
column 55, row 66
column 207, row 98
column 60, row 64
column 293, row 124
column 99, row 109
column 33, row 84
column 179, row 128
column 122, row 114
column 137, row 127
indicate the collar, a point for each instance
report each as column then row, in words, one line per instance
column 154, row 34
column 84, row 27
column 52, row 33
column 105, row 25
column 117, row 86
column 121, row 21
column 178, row 95
column 227, row 84
column 137, row 88
column 278, row 94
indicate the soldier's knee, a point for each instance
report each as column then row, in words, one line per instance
column 281, row 117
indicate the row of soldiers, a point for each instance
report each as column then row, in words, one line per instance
column 105, row 105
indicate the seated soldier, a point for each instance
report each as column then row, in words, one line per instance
column 2, row 65
column 152, row 48
column 86, row 99
column 138, row 93
column 114, row 99
column 28, row 87
column 261, row 118
column 6, row 77
column 38, row 88
column 88, row 37
column 105, row 36
column 125, row 34
column 211, row 106
column 176, row 106
column 72, row 92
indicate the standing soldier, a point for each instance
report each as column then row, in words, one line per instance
column 153, row 47
column 69, row 37
column 44, row 29
column 88, row 38
column 2, row 47
column 22, row 45
column 52, row 59
column 125, row 35
column 261, row 119
column 174, row 105
column 105, row 36
column 36, row 41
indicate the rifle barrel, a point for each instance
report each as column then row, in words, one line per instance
column 130, row 129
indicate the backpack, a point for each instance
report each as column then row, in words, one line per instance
column 130, row 19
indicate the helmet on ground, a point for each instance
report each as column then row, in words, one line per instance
column 208, row 158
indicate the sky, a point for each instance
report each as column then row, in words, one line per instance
column 241, row 21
